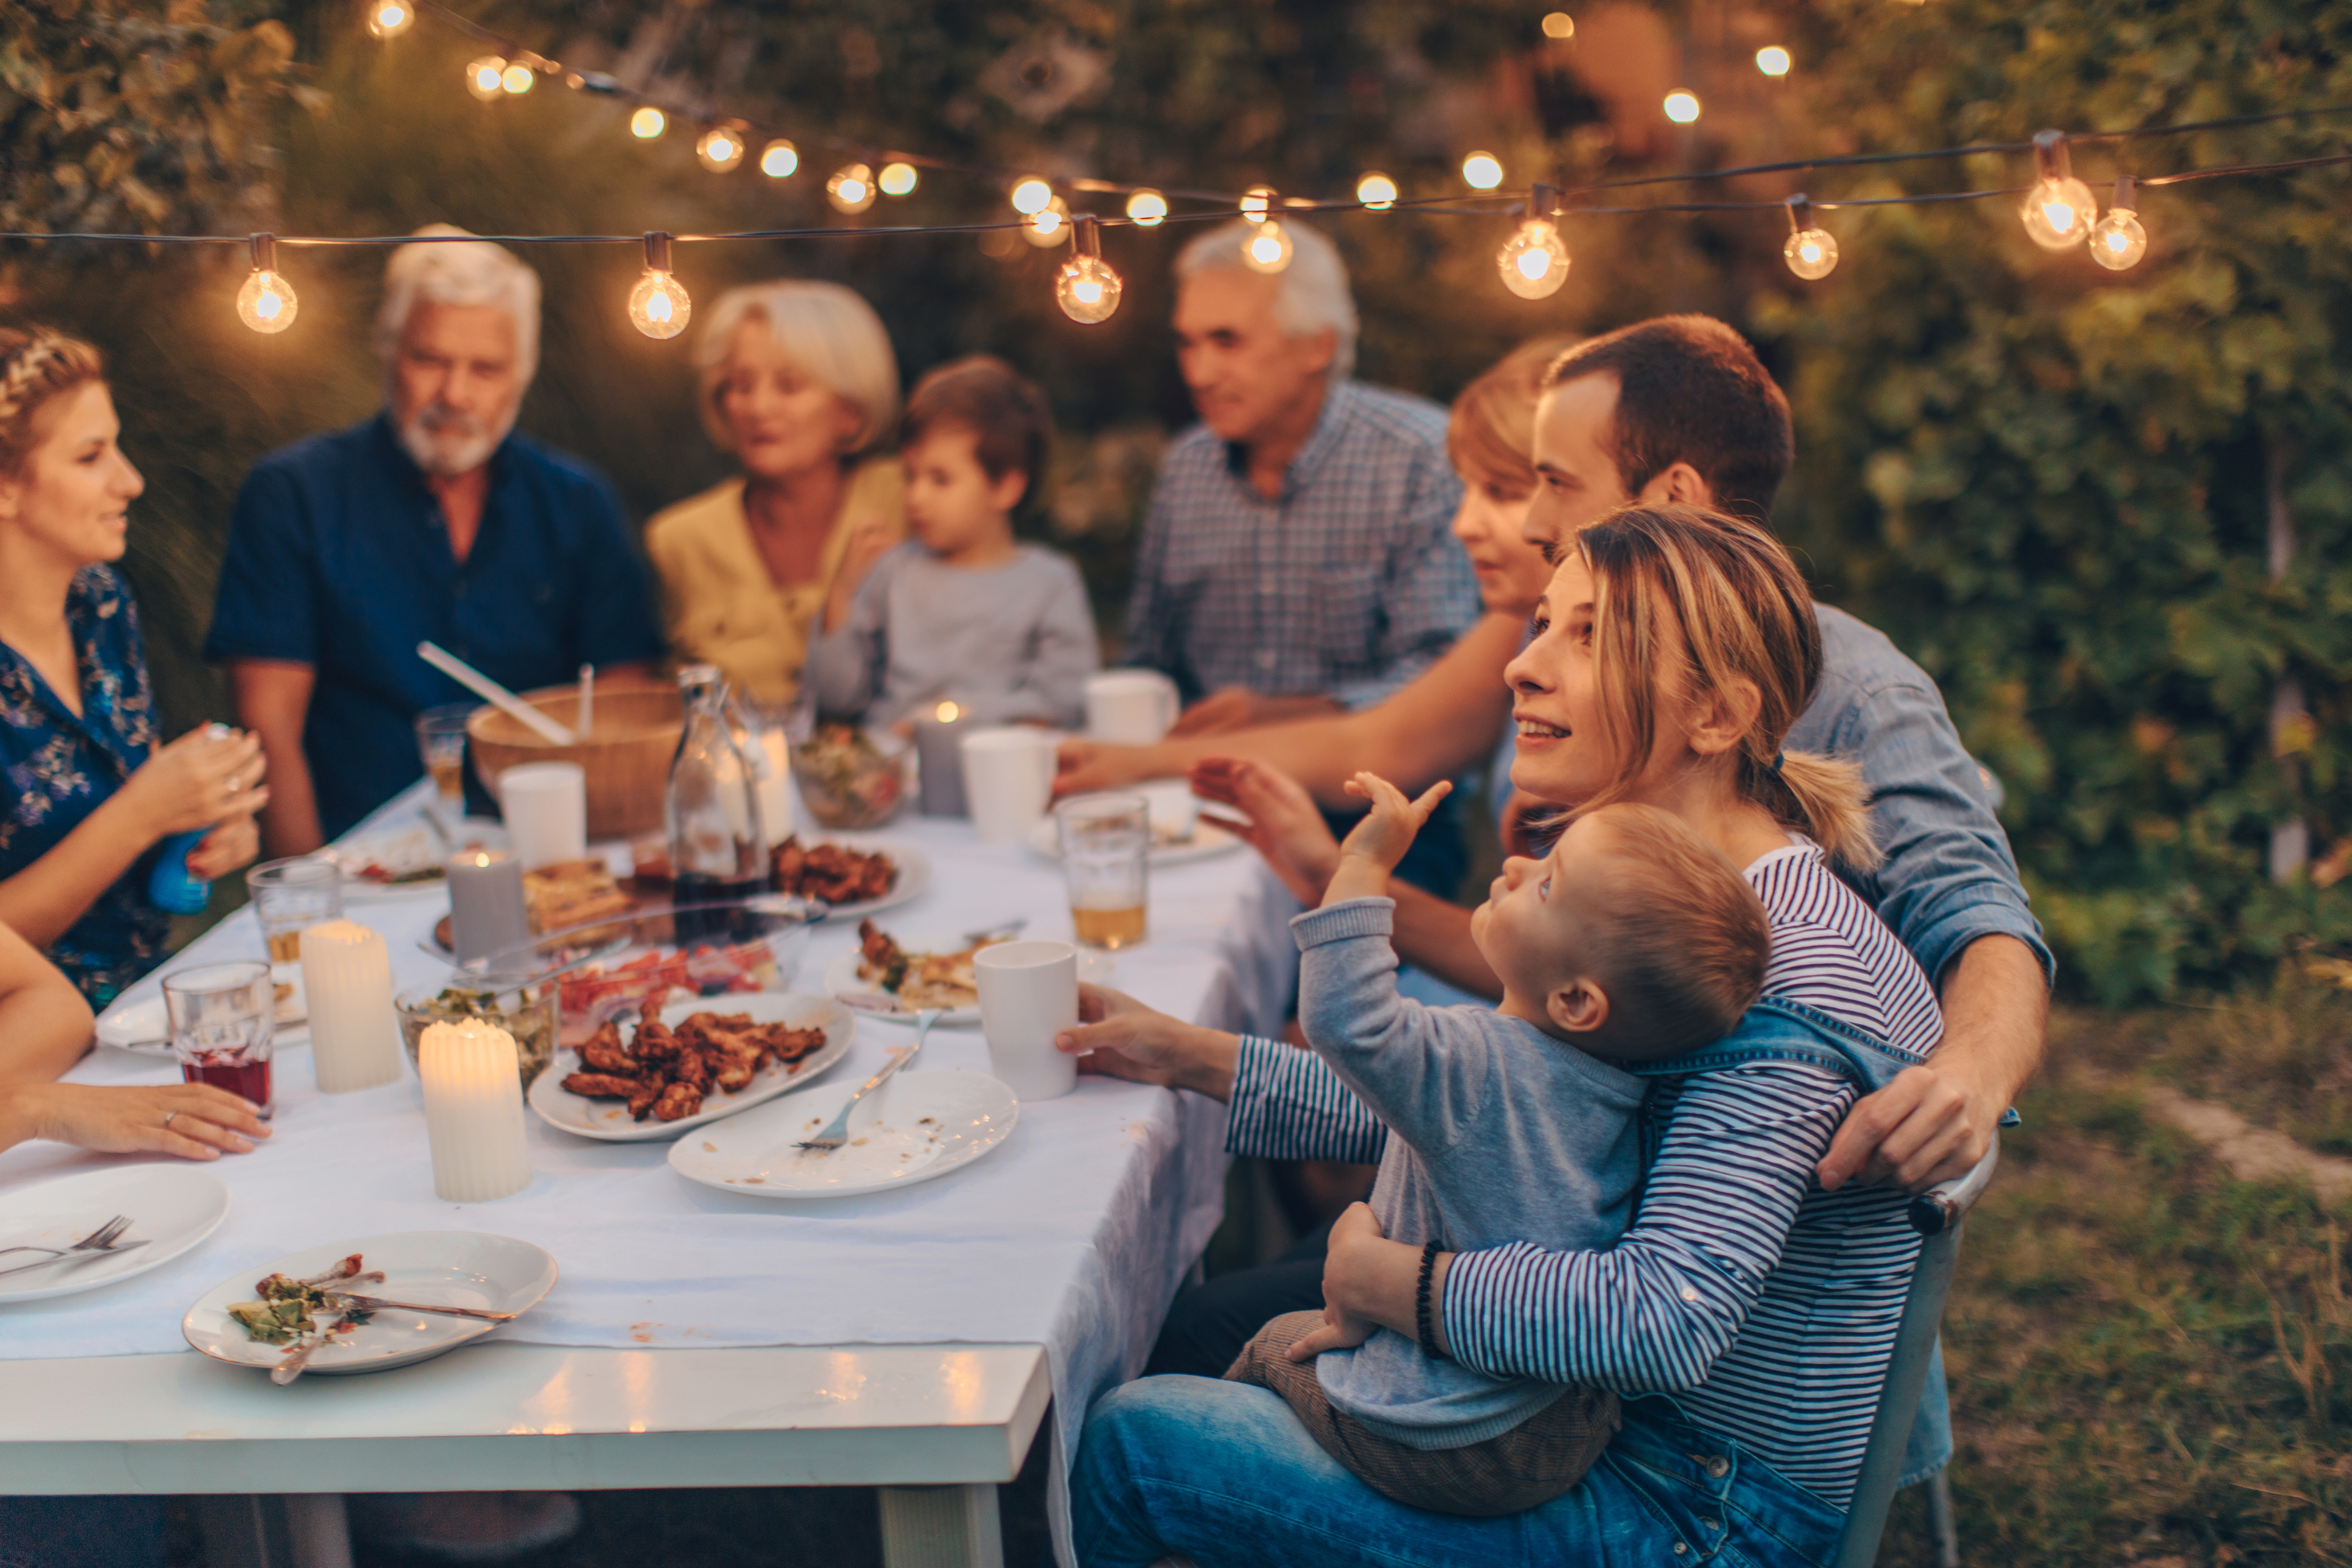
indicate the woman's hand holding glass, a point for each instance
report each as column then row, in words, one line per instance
column 1285, row 824
column 199, row 781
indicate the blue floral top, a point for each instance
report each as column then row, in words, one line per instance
column 60, row 768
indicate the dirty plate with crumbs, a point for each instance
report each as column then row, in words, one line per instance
column 920, row 1124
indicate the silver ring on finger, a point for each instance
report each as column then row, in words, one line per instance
column 167, row 1120
column 235, row 783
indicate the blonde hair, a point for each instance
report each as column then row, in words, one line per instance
column 1310, row 296
column 1492, row 433
column 1687, row 602
column 37, row 367
column 828, row 330
column 466, row 271
column 1679, row 938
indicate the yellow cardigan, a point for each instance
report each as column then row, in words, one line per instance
column 721, row 605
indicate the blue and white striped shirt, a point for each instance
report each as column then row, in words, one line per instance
column 1766, row 1307
column 1349, row 585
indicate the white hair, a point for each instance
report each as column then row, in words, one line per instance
column 828, row 330
column 1311, row 294
column 459, row 272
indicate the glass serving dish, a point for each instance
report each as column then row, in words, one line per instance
column 600, row 970
column 851, row 778
column 525, row 1011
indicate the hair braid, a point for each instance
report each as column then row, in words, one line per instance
column 38, row 365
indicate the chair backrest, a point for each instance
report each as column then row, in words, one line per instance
column 1936, row 1215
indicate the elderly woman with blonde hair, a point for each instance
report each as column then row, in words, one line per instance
column 800, row 384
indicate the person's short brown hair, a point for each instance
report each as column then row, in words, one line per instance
column 1681, row 940
column 1491, row 435
column 1690, row 389
column 1003, row 409
column 38, row 367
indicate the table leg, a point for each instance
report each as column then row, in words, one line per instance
column 941, row 1526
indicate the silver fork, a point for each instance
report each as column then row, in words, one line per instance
column 102, row 1239
column 837, row 1131
column 1003, row 932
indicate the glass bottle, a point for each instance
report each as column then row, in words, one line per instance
column 718, row 848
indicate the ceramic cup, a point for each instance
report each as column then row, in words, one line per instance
column 1029, row 994
column 1129, row 707
column 1008, row 778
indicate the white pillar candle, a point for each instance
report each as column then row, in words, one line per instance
column 776, row 789
column 347, row 984
column 487, row 912
column 545, row 805
column 473, row 1110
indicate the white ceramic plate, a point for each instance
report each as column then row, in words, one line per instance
column 842, row 979
column 914, row 872
column 146, row 1027
column 172, row 1207
column 442, row 1267
column 920, row 1125
column 1208, row 841
column 409, row 849
column 608, row 1119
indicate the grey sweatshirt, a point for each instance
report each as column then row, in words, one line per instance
column 1498, row 1133
column 1009, row 643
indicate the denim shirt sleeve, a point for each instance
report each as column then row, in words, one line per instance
column 1948, row 877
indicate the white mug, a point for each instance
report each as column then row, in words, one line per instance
column 1029, row 994
column 1129, row 707
column 546, row 809
column 1008, row 778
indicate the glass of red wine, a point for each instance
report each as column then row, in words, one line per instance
column 223, row 1017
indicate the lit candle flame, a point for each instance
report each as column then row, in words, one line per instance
column 948, row 712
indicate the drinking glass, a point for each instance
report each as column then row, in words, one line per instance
column 290, row 896
column 223, row 1025
column 1106, row 842
column 441, row 737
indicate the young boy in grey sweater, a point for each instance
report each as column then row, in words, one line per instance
column 1633, row 941
column 962, row 612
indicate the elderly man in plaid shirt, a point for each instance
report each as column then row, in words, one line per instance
column 1299, row 555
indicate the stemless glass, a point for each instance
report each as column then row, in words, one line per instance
column 1106, row 842
column 290, row 896
column 441, row 738
column 222, row 1026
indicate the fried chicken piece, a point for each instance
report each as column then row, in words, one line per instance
column 648, row 1091
column 691, row 1068
column 737, row 1073
column 602, row 1085
column 677, row 1102
column 649, row 1010
column 656, row 1043
column 878, row 947
column 602, row 1052
column 791, row 1044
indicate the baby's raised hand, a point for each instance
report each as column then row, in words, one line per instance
column 1387, row 830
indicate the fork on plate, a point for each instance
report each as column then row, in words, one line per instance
column 837, row 1131
column 107, row 1238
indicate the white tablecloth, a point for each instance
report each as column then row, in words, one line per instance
column 1074, row 1235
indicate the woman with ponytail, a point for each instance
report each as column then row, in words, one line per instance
column 1748, row 1316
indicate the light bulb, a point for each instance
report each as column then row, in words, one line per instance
column 486, row 77
column 1482, row 171
column 1682, row 106
column 659, row 305
column 1559, row 25
column 1773, row 60
column 778, row 159
column 2117, row 240
column 1031, row 195
column 390, row 19
column 1376, row 191
column 851, row 189
column 1147, row 209
column 647, row 123
column 1086, row 288
column 1049, row 226
column 518, row 78
column 896, row 179
column 1533, row 262
column 1267, row 250
column 2059, row 209
column 1257, row 201
column 1810, row 253
column 267, row 301
column 720, row 149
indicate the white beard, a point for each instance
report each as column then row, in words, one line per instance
column 447, row 443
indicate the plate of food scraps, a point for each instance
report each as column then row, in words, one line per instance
column 899, row 976
column 852, row 875
column 258, row 1316
column 711, row 1057
column 920, row 1125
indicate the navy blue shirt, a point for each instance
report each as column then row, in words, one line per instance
column 339, row 558
column 59, row 768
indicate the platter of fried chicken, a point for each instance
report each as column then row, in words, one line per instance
column 852, row 875
column 653, row 1073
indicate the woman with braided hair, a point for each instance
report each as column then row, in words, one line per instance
column 89, row 794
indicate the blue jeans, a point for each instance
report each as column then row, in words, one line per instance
column 1224, row 1473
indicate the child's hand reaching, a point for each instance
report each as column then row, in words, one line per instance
column 1372, row 849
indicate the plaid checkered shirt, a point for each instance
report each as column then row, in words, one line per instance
column 1349, row 585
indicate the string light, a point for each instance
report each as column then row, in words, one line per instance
column 1773, row 60
column 1559, row 25
column 648, row 123
column 2118, row 241
column 1086, row 287
column 1147, row 209
column 267, row 302
column 390, row 19
column 851, row 189
column 1682, row 106
column 1257, row 201
column 1049, row 226
column 659, row 305
column 1482, row 171
column 720, row 149
column 1811, row 252
column 778, row 158
column 518, row 78
column 1266, row 249
column 1031, row 195
column 896, row 179
column 486, row 77
column 1533, row 262
column 1376, row 191
column 2060, row 209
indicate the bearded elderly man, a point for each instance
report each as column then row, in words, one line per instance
column 432, row 520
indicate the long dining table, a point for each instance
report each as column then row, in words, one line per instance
column 912, row 1340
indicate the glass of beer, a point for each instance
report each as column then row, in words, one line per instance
column 224, row 1025
column 290, row 896
column 441, row 738
column 1105, row 841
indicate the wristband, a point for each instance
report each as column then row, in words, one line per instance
column 1429, row 1250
